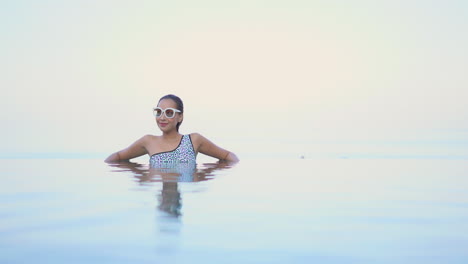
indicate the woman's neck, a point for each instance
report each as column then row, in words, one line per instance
column 171, row 135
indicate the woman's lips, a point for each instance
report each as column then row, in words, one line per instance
column 163, row 124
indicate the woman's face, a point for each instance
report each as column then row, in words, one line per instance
column 168, row 124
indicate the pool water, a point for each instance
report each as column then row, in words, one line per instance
column 258, row 211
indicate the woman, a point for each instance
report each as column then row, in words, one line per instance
column 171, row 147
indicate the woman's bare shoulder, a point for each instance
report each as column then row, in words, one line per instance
column 148, row 138
column 196, row 137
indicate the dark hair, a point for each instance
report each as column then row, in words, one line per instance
column 179, row 103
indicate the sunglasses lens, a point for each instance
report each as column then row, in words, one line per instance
column 170, row 113
column 157, row 112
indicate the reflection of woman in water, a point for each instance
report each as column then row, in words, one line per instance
column 170, row 197
column 171, row 148
column 169, row 200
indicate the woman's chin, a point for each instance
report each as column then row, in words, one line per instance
column 164, row 128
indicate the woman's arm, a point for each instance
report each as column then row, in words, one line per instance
column 205, row 146
column 138, row 148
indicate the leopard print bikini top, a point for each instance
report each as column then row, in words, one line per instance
column 183, row 154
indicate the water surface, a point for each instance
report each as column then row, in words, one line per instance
column 259, row 211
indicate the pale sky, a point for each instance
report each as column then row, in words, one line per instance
column 82, row 76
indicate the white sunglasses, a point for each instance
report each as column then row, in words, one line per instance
column 169, row 112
